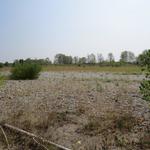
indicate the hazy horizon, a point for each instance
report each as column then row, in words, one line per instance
column 43, row 28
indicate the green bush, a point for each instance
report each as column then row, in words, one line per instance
column 144, row 61
column 1, row 65
column 25, row 71
column 145, row 89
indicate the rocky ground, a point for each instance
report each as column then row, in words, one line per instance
column 81, row 111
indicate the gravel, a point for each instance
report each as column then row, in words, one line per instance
column 59, row 104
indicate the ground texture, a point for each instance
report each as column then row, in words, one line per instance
column 81, row 111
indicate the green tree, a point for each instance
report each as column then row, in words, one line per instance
column 144, row 61
column 127, row 57
column 82, row 60
column 111, row 57
column 91, row 59
column 1, row 65
column 75, row 60
column 62, row 59
column 59, row 59
column 100, row 58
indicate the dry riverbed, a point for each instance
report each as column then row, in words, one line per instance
column 81, row 111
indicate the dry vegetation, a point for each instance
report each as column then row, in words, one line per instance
column 81, row 111
column 85, row 68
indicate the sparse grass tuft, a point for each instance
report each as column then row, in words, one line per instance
column 125, row 123
column 99, row 87
column 53, row 119
column 115, row 122
column 94, row 126
column 145, row 141
column 81, row 110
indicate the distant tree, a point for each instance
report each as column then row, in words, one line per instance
column 21, row 61
column 6, row 64
column 91, row 59
column 127, row 57
column 82, row 60
column 100, row 58
column 111, row 57
column 1, row 65
column 28, row 60
column 68, row 60
column 47, row 61
column 63, row 59
column 75, row 60
column 59, row 59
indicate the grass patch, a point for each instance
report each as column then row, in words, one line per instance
column 145, row 141
column 122, row 69
column 54, row 119
column 113, row 122
column 2, row 80
column 125, row 123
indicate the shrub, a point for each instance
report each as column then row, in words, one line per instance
column 1, row 65
column 145, row 89
column 25, row 71
column 144, row 61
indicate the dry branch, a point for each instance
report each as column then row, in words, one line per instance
column 39, row 144
column 34, row 136
column 6, row 139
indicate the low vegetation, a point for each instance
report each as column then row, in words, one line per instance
column 98, row 125
column 145, row 84
column 2, row 79
column 86, row 111
column 131, row 69
column 125, row 122
column 79, row 111
column 25, row 71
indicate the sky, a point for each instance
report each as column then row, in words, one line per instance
column 43, row 28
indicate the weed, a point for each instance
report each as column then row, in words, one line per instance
column 125, row 122
column 81, row 110
column 107, row 80
column 53, row 119
column 117, row 84
column 93, row 127
column 120, row 141
column 113, row 122
column 99, row 87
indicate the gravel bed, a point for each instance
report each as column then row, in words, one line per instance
column 60, row 106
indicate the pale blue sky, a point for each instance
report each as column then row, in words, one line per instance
column 42, row 28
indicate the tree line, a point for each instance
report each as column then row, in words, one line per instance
column 126, row 57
